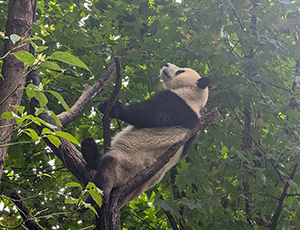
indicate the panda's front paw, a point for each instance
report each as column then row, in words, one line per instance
column 102, row 106
column 203, row 110
column 115, row 110
column 203, row 82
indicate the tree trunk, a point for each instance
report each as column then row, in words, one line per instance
column 19, row 21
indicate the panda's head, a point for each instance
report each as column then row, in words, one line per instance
column 175, row 77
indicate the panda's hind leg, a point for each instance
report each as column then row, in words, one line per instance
column 107, row 175
column 105, row 179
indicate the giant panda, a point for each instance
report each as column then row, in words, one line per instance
column 155, row 125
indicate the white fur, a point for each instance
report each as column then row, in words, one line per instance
column 185, row 86
column 136, row 149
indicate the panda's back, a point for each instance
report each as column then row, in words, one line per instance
column 137, row 149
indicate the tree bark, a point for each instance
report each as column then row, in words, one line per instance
column 19, row 21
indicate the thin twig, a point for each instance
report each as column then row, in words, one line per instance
column 281, row 199
column 111, row 101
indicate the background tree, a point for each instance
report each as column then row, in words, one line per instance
column 241, row 173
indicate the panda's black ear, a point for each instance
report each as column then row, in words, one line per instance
column 203, row 82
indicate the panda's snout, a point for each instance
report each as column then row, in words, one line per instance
column 165, row 72
column 168, row 71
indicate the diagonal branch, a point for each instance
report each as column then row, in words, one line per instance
column 87, row 96
column 149, row 172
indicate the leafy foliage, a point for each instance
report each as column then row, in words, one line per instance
column 238, row 175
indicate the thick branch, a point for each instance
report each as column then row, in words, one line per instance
column 87, row 96
column 67, row 152
column 111, row 101
column 24, row 212
column 19, row 21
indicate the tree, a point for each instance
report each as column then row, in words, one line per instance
column 243, row 170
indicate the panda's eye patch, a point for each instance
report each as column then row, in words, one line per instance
column 179, row 72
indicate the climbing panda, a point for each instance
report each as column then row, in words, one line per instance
column 155, row 125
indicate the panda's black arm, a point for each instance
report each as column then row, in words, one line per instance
column 163, row 109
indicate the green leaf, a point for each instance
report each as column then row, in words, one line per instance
column 40, row 121
column 71, row 200
column 33, row 45
column 12, row 115
column 72, row 185
column 69, row 59
column 292, row 183
column 88, row 205
column 33, row 91
column 19, row 108
column 66, row 136
column 46, row 131
column 95, row 193
column 33, row 38
column 8, row 115
column 53, row 115
column 38, row 111
column 41, row 48
column 25, row 57
column 50, row 65
column 166, row 205
column 48, row 124
column 61, row 100
column 15, row 38
column 54, row 140
column 31, row 133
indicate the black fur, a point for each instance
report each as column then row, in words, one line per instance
column 163, row 109
column 187, row 146
column 90, row 152
column 203, row 82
